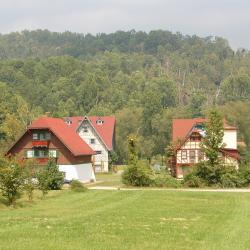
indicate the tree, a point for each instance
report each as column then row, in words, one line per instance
column 138, row 172
column 212, row 142
column 29, row 186
column 49, row 177
column 11, row 180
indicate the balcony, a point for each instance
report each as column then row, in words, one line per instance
column 40, row 143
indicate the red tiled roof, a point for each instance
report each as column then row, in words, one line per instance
column 105, row 130
column 181, row 127
column 64, row 133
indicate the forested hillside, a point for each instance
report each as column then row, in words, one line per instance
column 144, row 79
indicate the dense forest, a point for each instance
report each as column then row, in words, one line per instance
column 144, row 79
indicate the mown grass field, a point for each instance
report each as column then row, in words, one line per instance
column 108, row 180
column 146, row 219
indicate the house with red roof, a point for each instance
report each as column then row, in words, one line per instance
column 50, row 137
column 80, row 145
column 99, row 133
column 187, row 135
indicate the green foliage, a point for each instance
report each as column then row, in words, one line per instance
column 193, row 181
column 49, row 177
column 244, row 174
column 29, row 186
column 138, row 174
column 165, row 180
column 212, row 142
column 11, row 180
column 77, row 186
column 113, row 158
column 144, row 79
column 203, row 174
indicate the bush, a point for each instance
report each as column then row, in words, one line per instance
column 244, row 173
column 138, row 174
column 77, row 186
column 217, row 176
column 164, row 180
column 50, row 178
column 230, row 180
column 11, row 180
column 194, row 181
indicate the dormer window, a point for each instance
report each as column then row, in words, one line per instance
column 99, row 122
column 68, row 121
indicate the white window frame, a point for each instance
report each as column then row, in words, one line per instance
column 35, row 136
column 30, row 153
column 52, row 153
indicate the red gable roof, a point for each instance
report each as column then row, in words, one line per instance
column 181, row 127
column 64, row 133
column 104, row 130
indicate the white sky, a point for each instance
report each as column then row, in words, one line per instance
column 227, row 18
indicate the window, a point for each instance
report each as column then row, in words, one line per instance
column 35, row 136
column 29, row 153
column 192, row 156
column 92, row 141
column 99, row 122
column 47, row 136
column 41, row 136
column 85, row 129
column 40, row 153
column 184, row 154
column 53, row 153
column 98, row 152
column 68, row 121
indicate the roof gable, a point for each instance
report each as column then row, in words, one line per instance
column 64, row 133
column 183, row 127
column 105, row 129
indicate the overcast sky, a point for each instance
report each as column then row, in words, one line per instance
column 227, row 18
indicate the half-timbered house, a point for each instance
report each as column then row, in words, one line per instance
column 187, row 136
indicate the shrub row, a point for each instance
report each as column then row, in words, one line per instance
column 218, row 176
column 140, row 174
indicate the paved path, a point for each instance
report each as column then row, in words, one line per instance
column 236, row 190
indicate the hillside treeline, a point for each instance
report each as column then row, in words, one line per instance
column 144, row 79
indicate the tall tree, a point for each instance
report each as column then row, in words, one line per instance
column 212, row 142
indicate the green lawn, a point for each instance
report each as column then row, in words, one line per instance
column 146, row 219
column 108, row 179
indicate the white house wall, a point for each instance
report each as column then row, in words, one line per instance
column 100, row 160
column 82, row 172
column 230, row 139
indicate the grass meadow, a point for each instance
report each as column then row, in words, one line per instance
column 141, row 219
